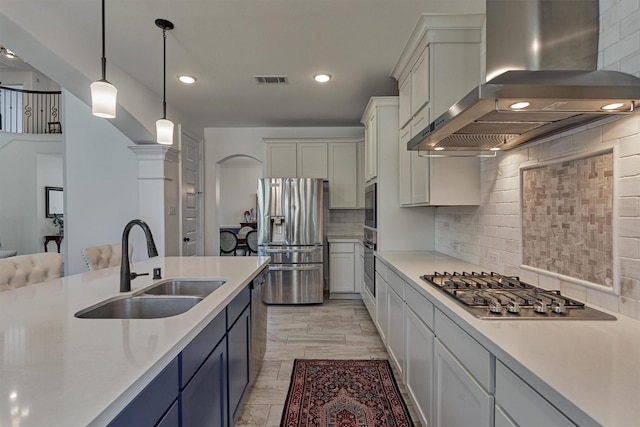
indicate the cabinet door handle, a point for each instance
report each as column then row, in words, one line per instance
column 186, row 239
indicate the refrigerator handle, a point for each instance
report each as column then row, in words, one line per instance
column 290, row 250
column 295, row 267
column 286, row 209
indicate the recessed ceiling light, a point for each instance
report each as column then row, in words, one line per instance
column 187, row 79
column 322, row 77
column 519, row 105
column 613, row 106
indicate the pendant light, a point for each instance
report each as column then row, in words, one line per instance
column 164, row 127
column 103, row 93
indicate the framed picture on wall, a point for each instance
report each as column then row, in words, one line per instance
column 54, row 198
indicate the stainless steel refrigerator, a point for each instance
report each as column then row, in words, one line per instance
column 290, row 231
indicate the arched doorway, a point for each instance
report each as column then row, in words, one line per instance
column 237, row 178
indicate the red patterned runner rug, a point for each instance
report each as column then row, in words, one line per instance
column 344, row 393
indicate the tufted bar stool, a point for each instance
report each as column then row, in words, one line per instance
column 104, row 256
column 23, row 270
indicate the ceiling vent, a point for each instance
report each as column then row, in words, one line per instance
column 271, row 80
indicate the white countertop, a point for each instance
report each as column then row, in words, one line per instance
column 594, row 365
column 58, row 370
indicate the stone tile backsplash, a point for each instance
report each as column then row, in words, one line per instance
column 344, row 222
column 604, row 240
column 567, row 212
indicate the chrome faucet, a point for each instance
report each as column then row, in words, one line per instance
column 125, row 270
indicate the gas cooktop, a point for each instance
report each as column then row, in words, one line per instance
column 494, row 296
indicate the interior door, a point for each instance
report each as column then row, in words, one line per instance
column 191, row 203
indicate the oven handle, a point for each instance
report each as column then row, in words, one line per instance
column 295, row 268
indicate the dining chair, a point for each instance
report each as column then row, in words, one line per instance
column 22, row 270
column 104, row 256
column 252, row 242
column 228, row 242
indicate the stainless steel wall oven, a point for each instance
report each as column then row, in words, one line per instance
column 369, row 242
column 370, row 201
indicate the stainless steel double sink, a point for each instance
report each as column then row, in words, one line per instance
column 162, row 299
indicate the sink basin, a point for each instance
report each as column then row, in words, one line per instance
column 191, row 287
column 139, row 307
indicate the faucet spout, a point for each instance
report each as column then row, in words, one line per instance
column 125, row 268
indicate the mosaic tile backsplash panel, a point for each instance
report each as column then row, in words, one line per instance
column 567, row 211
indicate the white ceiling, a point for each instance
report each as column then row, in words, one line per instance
column 224, row 43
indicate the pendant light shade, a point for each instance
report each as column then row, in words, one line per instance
column 164, row 131
column 164, row 127
column 103, row 99
column 103, row 93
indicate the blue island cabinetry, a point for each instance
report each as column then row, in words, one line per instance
column 206, row 384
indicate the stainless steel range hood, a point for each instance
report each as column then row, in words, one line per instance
column 553, row 61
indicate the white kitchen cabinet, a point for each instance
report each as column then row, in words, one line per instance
column 419, row 364
column 395, row 328
column 404, row 168
column 301, row 158
column 521, row 405
column 439, row 65
column 282, row 160
column 381, row 306
column 377, row 131
column 359, row 273
column 342, row 270
column 420, row 82
column 419, row 341
column 447, row 181
column 361, row 179
column 312, row 160
column 459, row 400
column 370, row 147
column 345, row 182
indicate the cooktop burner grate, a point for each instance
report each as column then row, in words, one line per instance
column 495, row 296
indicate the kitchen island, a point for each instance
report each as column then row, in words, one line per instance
column 59, row 370
column 585, row 370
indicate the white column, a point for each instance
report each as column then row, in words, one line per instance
column 157, row 186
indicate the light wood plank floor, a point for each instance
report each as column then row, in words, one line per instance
column 337, row 329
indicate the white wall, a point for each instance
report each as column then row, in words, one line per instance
column 224, row 143
column 238, row 184
column 21, row 197
column 101, row 186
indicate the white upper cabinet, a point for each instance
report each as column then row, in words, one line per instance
column 312, row 160
column 404, row 91
column 420, row 82
column 371, row 147
column 282, row 160
column 346, row 175
column 298, row 158
column 336, row 159
column 374, row 130
column 439, row 65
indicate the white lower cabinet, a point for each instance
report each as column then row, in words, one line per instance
column 459, row 400
column 451, row 378
column 418, row 363
column 395, row 329
column 381, row 307
column 359, row 274
column 342, row 270
column 521, row 405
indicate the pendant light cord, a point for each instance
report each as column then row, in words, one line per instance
column 164, row 73
column 104, row 58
